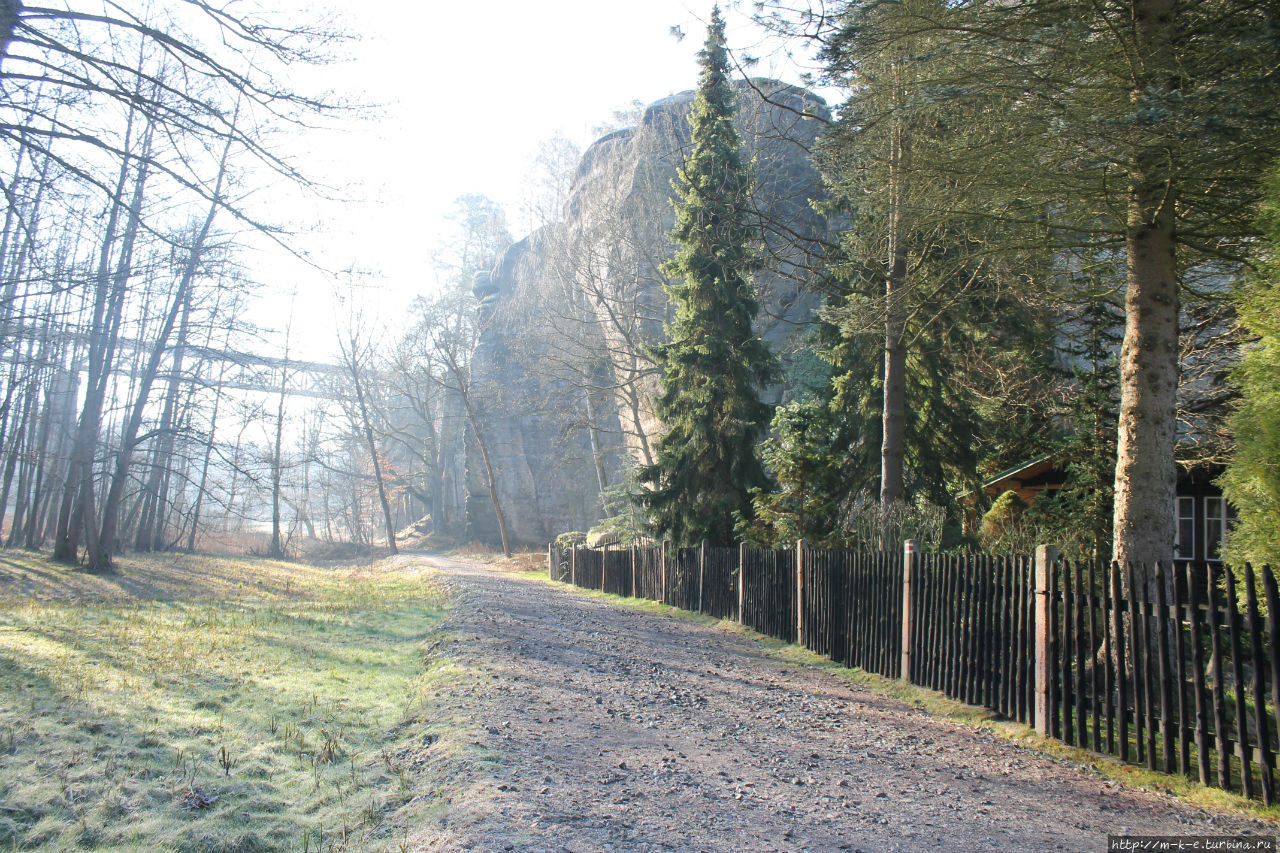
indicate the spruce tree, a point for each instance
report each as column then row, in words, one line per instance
column 713, row 362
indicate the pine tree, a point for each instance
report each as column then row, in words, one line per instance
column 713, row 363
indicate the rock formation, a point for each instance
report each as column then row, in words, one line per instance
column 570, row 311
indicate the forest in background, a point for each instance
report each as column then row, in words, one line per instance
column 1046, row 223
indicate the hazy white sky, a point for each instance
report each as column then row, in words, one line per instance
column 466, row 93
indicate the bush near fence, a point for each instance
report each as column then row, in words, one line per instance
column 1177, row 672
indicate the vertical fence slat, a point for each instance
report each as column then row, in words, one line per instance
column 1135, row 660
column 1081, row 655
column 1180, row 660
column 1006, row 639
column 1273, row 631
column 1261, row 735
column 1143, row 628
column 1026, row 630
column 1237, row 677
column 1197, row 677
column 1219, row 697
column 1162, row 652
column 1108, row 643
column 1064, row 648
column 1095, row 706
column 1118, row 653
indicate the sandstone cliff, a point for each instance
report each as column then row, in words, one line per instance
column 571, row 310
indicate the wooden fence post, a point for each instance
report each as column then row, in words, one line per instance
column 551, row 564
column 604, row 566
column 634, row 594
column 702, row 572
column 800, row 592
column 573, row 565
column 1046, row 556
column 742, row 579
column 908, row 570
column 663, row 593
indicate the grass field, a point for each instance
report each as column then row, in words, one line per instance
column 216, row 704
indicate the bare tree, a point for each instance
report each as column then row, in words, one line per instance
column 355, row 356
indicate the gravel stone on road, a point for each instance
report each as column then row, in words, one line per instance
column 619, row 729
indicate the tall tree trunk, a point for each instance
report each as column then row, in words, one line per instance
column 597, row 456
column 276, row 551
column 30, row 467
column 489, row 475
column 60, row 409
column 76, row 508
column 893, row 415
column 373, row 453
column 204, row 465
column 1146, row 474
column 101, row 559
column 150, row 530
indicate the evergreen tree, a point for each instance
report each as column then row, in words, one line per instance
column 713, row 363
column 1133, row 129
column 803, row 454
column 1252, row 480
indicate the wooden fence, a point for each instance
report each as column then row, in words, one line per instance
column 1174, row 669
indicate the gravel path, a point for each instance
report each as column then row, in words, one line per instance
column 617, row 729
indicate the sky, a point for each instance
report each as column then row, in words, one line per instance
column 461, row 96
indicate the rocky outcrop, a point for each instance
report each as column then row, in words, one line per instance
column 569, row 312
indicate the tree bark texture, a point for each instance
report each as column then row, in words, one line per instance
column 1146, row 474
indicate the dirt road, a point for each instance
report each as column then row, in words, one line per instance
column 613, row 729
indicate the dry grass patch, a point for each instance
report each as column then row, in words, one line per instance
column 213, row 703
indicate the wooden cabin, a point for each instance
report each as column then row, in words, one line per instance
column 1203, row 514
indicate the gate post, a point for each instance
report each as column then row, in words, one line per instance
column 1046, row 556
column 573, row 565
column 800, row 592
column 908, row 570
column 551, row 563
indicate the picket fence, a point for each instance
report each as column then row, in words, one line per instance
column 1177, row 673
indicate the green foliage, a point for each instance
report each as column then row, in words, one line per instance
column 1085, row 507
column 978, row 390
column 623, row 522
column 1069, row 126
column 803, row 455
column 915, row 270
column 1002, row 523
column 571, row 539
column 713, row 363
column 1252, row 480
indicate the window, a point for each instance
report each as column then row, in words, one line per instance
column 1218, row 515
column 1184, row 545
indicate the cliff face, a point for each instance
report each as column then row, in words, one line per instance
column 570, row 311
